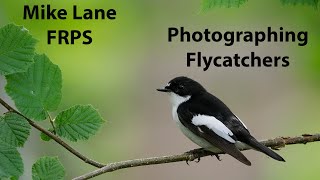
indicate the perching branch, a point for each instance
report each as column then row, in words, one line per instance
column 188, row 156
column 195, row 154
column 54, row 137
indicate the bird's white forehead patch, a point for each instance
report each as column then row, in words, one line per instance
column 215, row 125
column 168, row 84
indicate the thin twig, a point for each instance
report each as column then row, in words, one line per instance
column 54, row 137
column 195, row 154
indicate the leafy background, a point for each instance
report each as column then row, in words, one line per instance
column 130, row 57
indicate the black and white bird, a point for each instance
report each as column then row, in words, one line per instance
column 208, row 122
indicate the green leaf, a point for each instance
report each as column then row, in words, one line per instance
column 48, row 168
column 14, row 129
column 17, row 49
column 78, row 122
column 38, row 90
column 313, row 3
column 44, row 137
column 210, row 4
column 10, row 161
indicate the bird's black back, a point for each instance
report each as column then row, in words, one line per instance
column 208, row 104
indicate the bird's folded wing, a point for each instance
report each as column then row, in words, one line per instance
column 213, row 131
column 214, row 125
column 224, row 145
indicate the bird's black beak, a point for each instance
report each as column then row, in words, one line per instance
column 164, row 90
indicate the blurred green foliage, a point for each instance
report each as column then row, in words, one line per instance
column 313, row 3
column 210, row 4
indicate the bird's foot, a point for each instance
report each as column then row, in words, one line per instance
column 195, row 155
column 197, row 161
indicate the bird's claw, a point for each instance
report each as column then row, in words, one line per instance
column 197, row 160
column 195, row 154
column 217, row 156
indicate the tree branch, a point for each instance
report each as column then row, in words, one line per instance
column 54, row 137
column 195, row 154
column 188, row 156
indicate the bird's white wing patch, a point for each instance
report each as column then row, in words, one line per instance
column 241, row 122
column 215, row 125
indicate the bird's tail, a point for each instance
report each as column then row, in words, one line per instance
column 251, row 141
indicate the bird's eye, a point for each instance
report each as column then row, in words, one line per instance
column 180, row 87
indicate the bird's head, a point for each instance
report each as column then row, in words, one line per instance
column 183, row 87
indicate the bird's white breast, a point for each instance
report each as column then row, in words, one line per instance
column 176, row 101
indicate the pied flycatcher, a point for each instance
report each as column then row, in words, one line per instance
column 208, row 122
